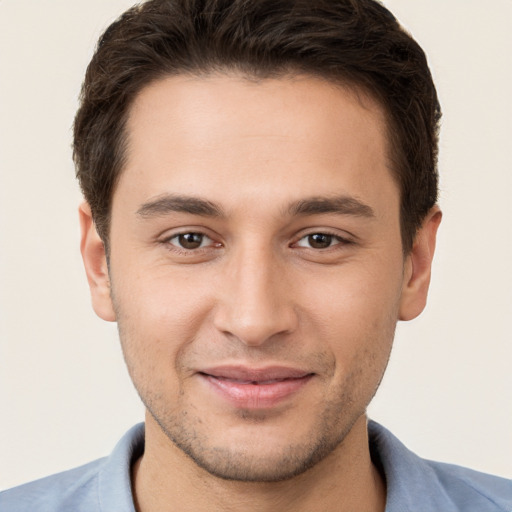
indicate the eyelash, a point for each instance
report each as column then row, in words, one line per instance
column 188, row 251
column 332, row 238
column 339, row 240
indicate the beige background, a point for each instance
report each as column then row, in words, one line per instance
column 65, row 397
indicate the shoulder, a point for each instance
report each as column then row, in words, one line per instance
column 76, row 489
column 100, row 486
column 467, row 486
column 422, row 485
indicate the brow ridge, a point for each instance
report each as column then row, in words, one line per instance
column 170, row 203
column 342, row 205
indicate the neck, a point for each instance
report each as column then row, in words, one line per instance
column 166, row 479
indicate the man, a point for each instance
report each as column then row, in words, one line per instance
column 260, row 185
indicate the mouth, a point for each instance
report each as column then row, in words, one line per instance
column 255, row 388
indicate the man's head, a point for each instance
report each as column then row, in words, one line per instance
column 256, row 222
column 356, row 43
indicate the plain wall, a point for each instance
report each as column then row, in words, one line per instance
column 65, row 397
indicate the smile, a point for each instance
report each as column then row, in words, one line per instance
column 255, row 388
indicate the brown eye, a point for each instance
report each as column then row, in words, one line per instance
column 189, row 240
column 320, row 240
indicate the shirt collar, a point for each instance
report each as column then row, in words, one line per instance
column 412, row 483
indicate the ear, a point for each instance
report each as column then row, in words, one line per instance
column 95, row 262
column 418, row 266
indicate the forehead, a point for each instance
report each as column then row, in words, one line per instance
column 272, row 137
column 239, row 102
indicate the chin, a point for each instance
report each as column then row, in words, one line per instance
column 258, row 452
column 246, row 466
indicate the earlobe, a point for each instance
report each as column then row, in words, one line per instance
column 418, row 266
column 95, row 263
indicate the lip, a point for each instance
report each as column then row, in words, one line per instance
column 255, row 388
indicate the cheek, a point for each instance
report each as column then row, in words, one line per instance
column 161, row 299
column 355, row 314
column 158, row 317
column 357, row 299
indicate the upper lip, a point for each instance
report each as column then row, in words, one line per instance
column 245, row 373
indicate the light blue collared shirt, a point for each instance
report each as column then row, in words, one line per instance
column 413, row 484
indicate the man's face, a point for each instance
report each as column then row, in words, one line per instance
column 256, row 267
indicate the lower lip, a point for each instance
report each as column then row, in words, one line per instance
column 256, row 396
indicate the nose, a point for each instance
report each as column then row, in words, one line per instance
column 256, row 304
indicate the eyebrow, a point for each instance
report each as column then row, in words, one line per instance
column 169, row 203
column 342, row 205
column 166, row 204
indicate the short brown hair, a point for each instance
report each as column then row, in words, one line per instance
column 354, row 42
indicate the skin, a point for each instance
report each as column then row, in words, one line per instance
column 298, row 264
